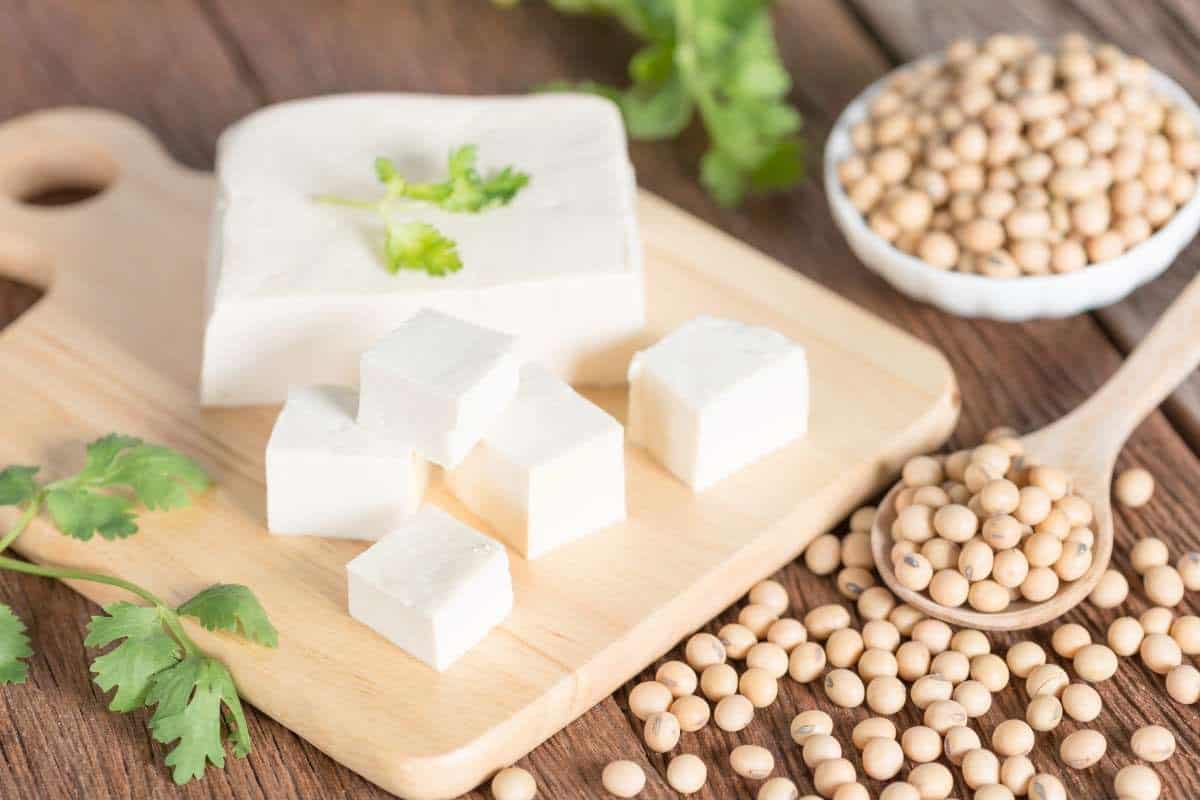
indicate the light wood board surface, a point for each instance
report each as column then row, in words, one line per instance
column 115, row 346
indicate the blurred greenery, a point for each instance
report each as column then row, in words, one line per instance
column 717, row 59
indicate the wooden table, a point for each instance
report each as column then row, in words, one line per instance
column 187, row 68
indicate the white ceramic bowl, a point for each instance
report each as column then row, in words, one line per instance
column 1013, row 299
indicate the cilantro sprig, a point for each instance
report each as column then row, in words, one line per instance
column 466, row 191
column 716, row 59
column 151, row 661
column 420, row 246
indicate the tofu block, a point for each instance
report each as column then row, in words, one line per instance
column 551, row 470
column 328, row 477
column 439, row 383
column 297, row 289
column 716, row 395
column 433, row 586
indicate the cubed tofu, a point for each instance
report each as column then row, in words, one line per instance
column 328, row 477
column 439, row 383
column 551, row 470
column 716, row 395
column 297, row 289
column 434, row 586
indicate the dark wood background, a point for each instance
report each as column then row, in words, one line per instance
column 188, row 68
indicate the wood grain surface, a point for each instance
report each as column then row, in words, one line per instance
column 187, row 68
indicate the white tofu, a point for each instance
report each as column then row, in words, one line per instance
column 297, row 289
column 437, row 382
column 328, row 477
column 551, row 470
column 716, row 395
column 433, row 586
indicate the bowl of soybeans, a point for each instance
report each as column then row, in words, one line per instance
column 1007, row 179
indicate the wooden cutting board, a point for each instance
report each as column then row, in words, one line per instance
column 115, row 346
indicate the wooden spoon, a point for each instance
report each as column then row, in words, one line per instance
column 1085, row 443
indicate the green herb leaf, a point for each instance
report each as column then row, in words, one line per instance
column 17, row 485
column 103, row 452
column 80, row 512
column 652, row 111
column 14, row 647
column 147, row 649
column 783, row 168
column 465, row 191
column 161, row 478
column 157, row 476
column 233, row 608
column 649, row 19
column 153, row 661
column 196, row 703
column 385, row 169
column 717, row 58
column 420, row 246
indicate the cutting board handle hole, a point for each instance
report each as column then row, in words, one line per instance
column 62, row 195
column 57, row 173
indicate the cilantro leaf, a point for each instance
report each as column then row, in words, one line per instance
column 464, row 192
column 157, row 476
column 161, row 478
column 782, row 168
column 420, row 246
column 103, row 452
column 647, row 18
column 14, row 647
column 385, row 169
column 147, row 649
column 657, row 105
column 717, row 59
column 196, row 703
column 500, row 188
column 79, row 512
column 17, row 485
column 233, row 608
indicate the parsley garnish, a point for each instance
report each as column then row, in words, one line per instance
column 154, row 663
column 718, row 59
column 419, row 245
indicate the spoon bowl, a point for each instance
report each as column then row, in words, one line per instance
column 1085, row 444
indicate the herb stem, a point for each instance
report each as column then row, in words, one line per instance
column 333, row 200
column 23, row 521
column 170, row 618
column 688, row 61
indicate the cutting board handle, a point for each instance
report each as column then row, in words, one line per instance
column 22, row 260
column 33, row 164
column 64, row 149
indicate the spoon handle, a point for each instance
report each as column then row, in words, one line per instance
column 1160, row 362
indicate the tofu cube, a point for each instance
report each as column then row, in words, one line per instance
column 328, row 477
column 433, row 586
column 551, row 470
column 439, row 383
column 716, row 395
column 297, row 289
